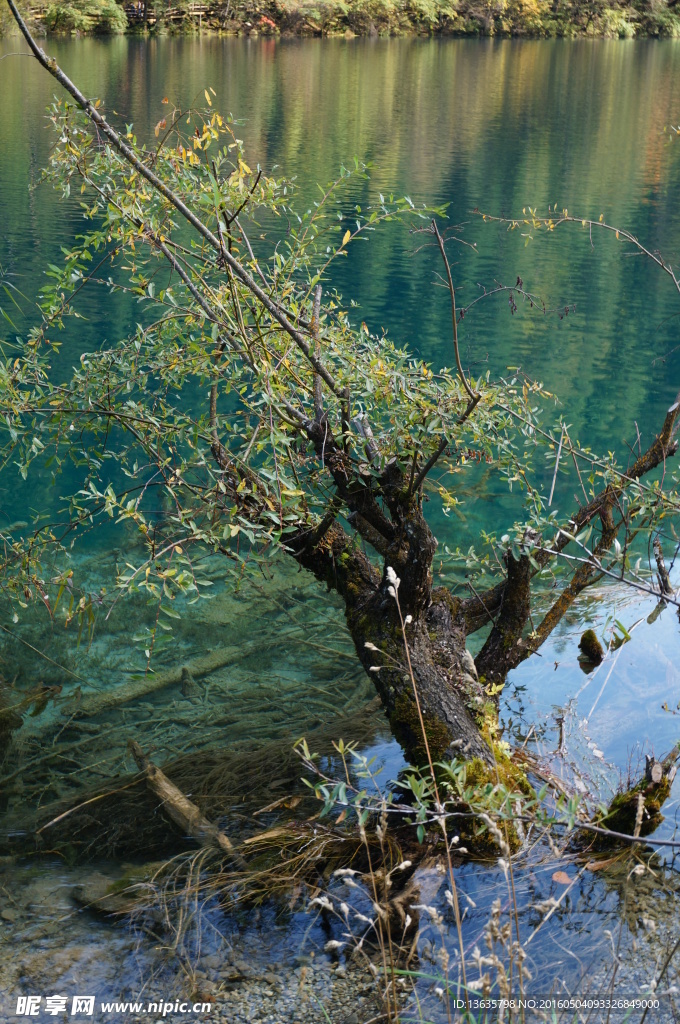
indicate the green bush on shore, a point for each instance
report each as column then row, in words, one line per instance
column 98, row 16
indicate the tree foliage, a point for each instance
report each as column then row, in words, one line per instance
column 193, row 430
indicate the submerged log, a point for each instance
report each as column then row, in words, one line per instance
column 152, row 682
column 182, row 675
column 182, row 811
column 120, row 817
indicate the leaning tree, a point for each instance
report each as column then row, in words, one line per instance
column 252, row 408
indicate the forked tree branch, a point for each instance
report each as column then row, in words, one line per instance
column 509, row 601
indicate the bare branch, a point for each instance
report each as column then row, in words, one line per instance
column 434, row 458
column 557, row 466
column 554, row 222
column 474, row 397
column 318, row 394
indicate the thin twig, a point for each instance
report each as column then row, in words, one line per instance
column 557, row 466
column 318, row 393
column 474, row 397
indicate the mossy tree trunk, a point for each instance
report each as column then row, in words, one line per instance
column 453, row 702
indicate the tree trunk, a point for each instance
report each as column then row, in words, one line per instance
column 452, row 701
column 454, row 705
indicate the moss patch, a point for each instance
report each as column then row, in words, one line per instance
column 502, row 778
column 622, row 813
column 405, row 724
column 591, row 648
column 442, row 595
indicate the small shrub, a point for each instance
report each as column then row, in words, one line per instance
column 99, row 16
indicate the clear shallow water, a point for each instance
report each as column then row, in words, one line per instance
column 494, row 125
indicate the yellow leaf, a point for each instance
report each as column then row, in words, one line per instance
column 617, row 234
column 207, row 96
column 600, row 865
column 346, row 237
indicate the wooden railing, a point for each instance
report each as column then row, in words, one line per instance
column 193, row 12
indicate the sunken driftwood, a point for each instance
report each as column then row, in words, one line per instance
column 117, row 816
column 182, row 811
column 183, row 675
column 151, row 683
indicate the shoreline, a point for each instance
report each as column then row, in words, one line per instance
column 520, row 19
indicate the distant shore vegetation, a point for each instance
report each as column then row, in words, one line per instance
column 289, row 18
